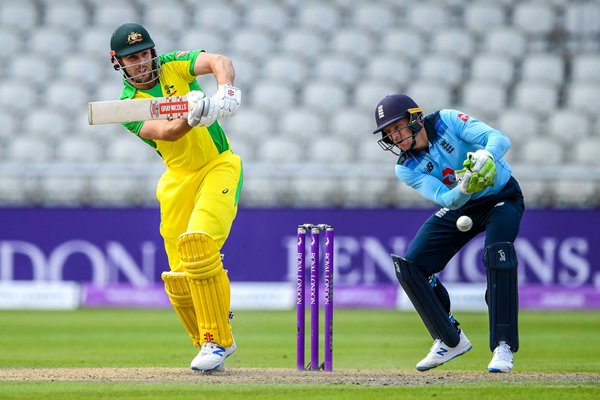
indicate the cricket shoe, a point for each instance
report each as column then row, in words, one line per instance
column 502, row 361
column 441, row 353
column 211, row 357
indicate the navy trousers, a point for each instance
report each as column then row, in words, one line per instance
column 438, row 240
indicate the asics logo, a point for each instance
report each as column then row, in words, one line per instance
column 442, row 351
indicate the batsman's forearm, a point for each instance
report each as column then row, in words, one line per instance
column 452, row 199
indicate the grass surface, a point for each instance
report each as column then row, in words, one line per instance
column 551, row 342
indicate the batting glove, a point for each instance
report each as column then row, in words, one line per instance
column 227, row 99
column 203, row 110
column 469, row 182
column 482, row 162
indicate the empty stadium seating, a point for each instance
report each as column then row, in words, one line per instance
column 311, row 73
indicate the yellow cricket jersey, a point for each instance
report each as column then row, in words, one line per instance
column 201, row 144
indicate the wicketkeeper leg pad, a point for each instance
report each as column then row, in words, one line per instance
column 178, row 290
column 501, row 263
column 426, row 302
column 209, row 285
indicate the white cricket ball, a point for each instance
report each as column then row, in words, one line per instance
column 464, row 223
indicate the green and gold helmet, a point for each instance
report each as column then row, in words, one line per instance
column 130, row 38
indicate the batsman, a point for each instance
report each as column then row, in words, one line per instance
column 456, row 162
column 199, row 191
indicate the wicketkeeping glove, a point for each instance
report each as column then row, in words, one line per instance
column 469, row 182
column 202, row 110
column 482, row 163
column 227, row 99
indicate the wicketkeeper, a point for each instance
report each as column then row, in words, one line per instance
column 199, row 191
column 455, row 161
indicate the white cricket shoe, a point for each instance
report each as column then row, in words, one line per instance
column 440, row 353
column 502, row 361
column 211, row 357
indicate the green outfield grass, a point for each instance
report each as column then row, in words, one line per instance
column 551, row 342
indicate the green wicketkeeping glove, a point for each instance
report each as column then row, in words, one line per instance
column 469, row 182
column 482, row 162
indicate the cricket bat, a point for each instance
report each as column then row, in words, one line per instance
column 118, row 111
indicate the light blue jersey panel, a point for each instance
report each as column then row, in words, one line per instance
column 452, row 134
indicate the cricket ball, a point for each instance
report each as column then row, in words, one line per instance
column 464, row 223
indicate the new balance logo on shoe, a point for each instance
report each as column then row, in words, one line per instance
column 442, row 351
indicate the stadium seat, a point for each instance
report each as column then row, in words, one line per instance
column 84, row 71
column 64, row 190
column 265, row 191
column 303, row 123
column 250, row 124
column 406, row 43
column 430, row 96
column 368, row 93
column 154, row 18
column 486, row 96
column 581, row 20
column 199, row 38
column 481, row 16
column 308, row 44
column 324, row 96
column 255, row 44
column 493, row 67
column 337, row 67
column 519, row 125
column 28, row 149
column 506, row 41
column 19, row 15
column 441, row 68
column 578, row 192
column 536, row 97
column 47, row 124
column 544, row 68
column 216, row 16
column 365, row 191
column 369, row 152
column 11, row 43
column 108, row 189
column 243, row 148
column 12, row 189
column 330, row 150
column 269, row 17
column 540, row 152
column 78, row 149
column 280, row 150
column 394, row 68
column 109, row 15
column 454, row 42
column 285, row 67
column 67, row 96
column 23, row 69
column 315, row 191
column 534, row 18
column 375, row 18
column 69, row 15
column 354, row 123
column 569, row 126
column 584, row 96
column 24, row 90
column 321, row 17
column 128, row 149
column 355, row 44
column 272, row 95
column 585, row 68
column 428, row 16
column 586, row 152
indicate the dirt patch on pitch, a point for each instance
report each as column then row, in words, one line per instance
column 285, row 376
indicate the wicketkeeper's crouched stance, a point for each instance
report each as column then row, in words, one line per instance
column 456, row 161
column 199, row 191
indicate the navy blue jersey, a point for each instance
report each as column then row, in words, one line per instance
column 452, row 134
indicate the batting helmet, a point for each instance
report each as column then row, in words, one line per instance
column 130, row 38
column 393, row 108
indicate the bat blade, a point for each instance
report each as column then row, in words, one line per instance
column 118, row 111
